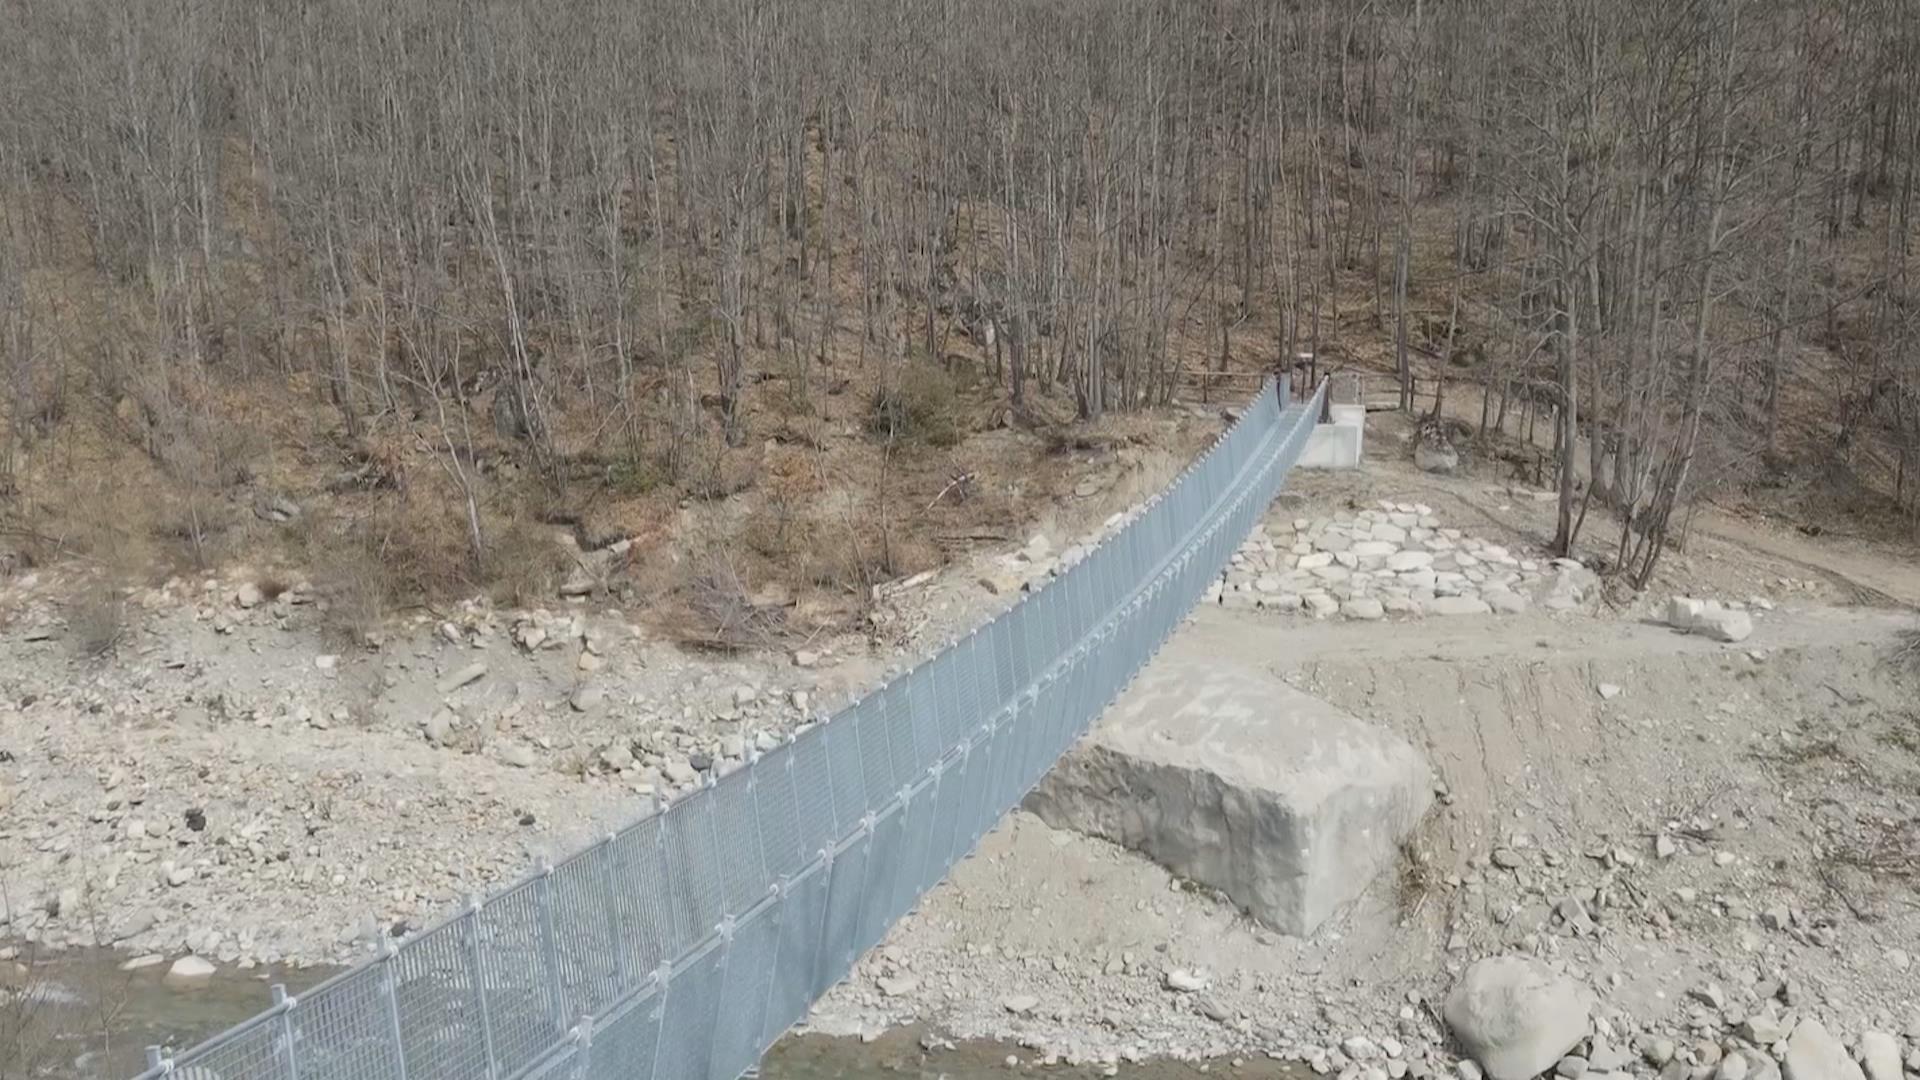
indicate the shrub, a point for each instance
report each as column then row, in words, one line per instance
column 921, row 405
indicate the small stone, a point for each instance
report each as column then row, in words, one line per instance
column 1506, row 858
column 1404, row 561
column 806, row 658
column 326, row 662
column 1658, row 1051
column 1185, row 981
column 1711, row 996
column 1762, row 1029
column 680, row 772
column 1723, row 858
column 1664, row 847
column 141, row 963
column 457, row 679
column 1365, row 608
column 1609, row 691
column 617, row 756
column 586, row 697
column 248, row 596
column 898, row 985
column 1572, row 1067
column 1469, row 1069
column 1777, row 917
column 1732, row 1067
column 517, row 754
column 1020, row 1004
column 1360, row 1048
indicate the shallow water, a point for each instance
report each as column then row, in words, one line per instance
column 77, row 1016
column 897, row 1055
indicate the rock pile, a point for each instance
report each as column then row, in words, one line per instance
column 1395, row 559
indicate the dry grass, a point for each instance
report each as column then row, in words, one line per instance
column 97, row 622
column 1415, row 879
column 525, row 563
column 716, row 614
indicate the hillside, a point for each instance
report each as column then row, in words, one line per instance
column 755, row 308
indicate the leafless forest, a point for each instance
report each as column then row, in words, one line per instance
column 447, row 268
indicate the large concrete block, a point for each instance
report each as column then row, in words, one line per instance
column 1229, row 777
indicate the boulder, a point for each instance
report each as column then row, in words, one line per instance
column 189, row 973
column 1682, row 610
column 1880, row 1054
column 1233, row 779
column 1436, row 457
column 1709, row 619
column 1723, row 624
column 1516, row 1016
column 1813, row 1054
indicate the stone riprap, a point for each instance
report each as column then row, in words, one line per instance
column 1394, row 559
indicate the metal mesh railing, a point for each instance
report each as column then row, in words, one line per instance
column 682, row 945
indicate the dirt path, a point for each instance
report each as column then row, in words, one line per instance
column 1875, row 573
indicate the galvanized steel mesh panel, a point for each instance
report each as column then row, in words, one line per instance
column 840, row 928
column 515, row 973
column 342, row 1031
column 260, row 1050
column 743, row 993
column 796, row 961
column 687, row 942
column 693, row 870
column 642, row 902
column 736, row 850
column 624, row 1042
column 813, row 797
column 583, row 933
column 776, row 814
column 686, row 1030
column 437, row 996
